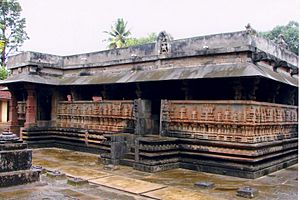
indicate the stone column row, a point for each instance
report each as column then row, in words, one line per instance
column 31, row 109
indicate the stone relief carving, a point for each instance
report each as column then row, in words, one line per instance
column 163, row 42
column 281, row 42
column 104, row 116
column 239, row 122
column 250, row 30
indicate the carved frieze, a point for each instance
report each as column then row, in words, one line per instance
column 238, row 121
column 103, row 116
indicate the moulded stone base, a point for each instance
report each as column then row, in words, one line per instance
column 155, row 168
column 18, row 177
column 211, row 168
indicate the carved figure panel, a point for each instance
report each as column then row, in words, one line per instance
column 104, row 116
column 239, row 121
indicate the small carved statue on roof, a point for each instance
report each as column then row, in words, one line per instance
column 281, row 42
column 163, row 42
column 250, row 30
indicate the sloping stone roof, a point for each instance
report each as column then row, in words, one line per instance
column 144, row 62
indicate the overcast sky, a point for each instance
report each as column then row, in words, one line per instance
column 65, row 27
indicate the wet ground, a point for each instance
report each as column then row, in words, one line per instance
column 126, row 183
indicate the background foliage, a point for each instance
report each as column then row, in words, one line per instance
column 290, row 33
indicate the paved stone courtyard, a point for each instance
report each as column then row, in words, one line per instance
column 126, row 183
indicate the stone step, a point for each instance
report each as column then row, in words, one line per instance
column 129, row 156
column 127, row 162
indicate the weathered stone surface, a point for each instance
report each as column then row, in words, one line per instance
column 205, row 185
column 18, row 177
column 227, row 42
column 38, row 169
column 76, row 181
column 111, row 167
column 177, row 193
column 12, row 146
column 127, row 184
column 15, row 160
column 247, row 192
column 142, row 113
column 56, row 174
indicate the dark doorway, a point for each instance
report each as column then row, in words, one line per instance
column 44, row 106
column 155, row 116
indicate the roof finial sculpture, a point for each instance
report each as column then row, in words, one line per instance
column 250, row 30
column 281, row 41
column 163, row 43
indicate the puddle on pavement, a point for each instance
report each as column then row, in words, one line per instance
column 56, row 156
column 45, row 163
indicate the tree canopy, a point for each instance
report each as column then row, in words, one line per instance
column 3, row 73
column 12, row 33
column 290, row 33
column 142, row 40
column 118, row 34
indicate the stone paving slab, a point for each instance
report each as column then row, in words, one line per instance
column 83, row 173
column 127, row 184
column 173, row 193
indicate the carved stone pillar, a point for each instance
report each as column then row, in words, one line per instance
column 238, row 90
column 104, row 92
column 142, row 113
column 54, row 103
column 252, row 88
column 186, row 90
column 74, row 94
column 30, row 116
column 13, row 114
column 287, row 96
column 273, row 93
column 138, row 91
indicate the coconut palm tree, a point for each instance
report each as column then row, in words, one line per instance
column 118, row 34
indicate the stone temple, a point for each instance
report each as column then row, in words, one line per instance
column 223, row 103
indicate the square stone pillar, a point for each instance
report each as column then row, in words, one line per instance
column 54, row 104
column 31, row 108
column 13, row 114
column 142, row 113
